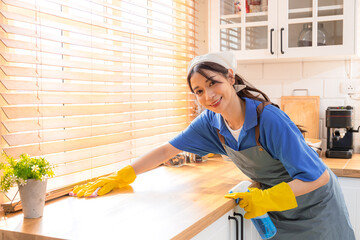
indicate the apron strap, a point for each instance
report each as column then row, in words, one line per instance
column 259, row 110
column 221, row 137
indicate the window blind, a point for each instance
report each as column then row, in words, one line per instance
column 91, row 85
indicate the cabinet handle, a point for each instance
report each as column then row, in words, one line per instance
column 281, row 40
column 271, row 36
column 242, row 224
column 237, row 226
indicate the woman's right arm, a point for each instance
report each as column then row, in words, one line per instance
column 154, row 158
column 127, row 174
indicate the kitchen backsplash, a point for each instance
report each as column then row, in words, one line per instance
column 321, row 78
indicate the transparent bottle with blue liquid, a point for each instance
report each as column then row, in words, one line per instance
column 263, row 224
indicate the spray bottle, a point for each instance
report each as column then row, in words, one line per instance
column 263, row 224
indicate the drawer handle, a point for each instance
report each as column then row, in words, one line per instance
column 242, row 224
column 237, row 226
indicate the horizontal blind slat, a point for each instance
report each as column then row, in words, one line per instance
column 96, row 151
column 95, row 23
column 21, row 125
column 88, row 30
column 86, row 43
column 54, row 147
column 103, row 160
column 31, row 72
column 89, row 87
column 17, row 58
column 155, row 10
column 92, row 163
column 114, row 6
column 47, row 48
column 13, row 112
column 57, row 182
column 74, row 98
column 87, row 153
column 78, row 76
column 72, row 133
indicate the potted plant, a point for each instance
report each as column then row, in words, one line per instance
column 30, row 174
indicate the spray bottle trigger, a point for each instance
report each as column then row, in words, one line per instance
column 236, row 200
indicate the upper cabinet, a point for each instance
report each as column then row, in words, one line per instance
column 261, row 29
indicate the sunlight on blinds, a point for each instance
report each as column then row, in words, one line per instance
column 91, row 85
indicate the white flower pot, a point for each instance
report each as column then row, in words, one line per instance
column 32, row 196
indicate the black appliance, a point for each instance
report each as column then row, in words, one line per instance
column 339, row 123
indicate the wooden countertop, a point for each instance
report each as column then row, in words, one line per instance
column 164, row 203
column 344, row 167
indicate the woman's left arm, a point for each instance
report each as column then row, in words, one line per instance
column 300, row 187
column 284, row 141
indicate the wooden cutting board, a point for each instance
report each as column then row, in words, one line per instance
column 304, row 111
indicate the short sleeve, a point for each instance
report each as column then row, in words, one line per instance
column 199, row 137
column 284, row 141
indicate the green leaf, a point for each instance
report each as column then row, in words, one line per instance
column 26, row 167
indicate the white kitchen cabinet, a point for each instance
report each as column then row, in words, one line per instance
column 250, row 232
column 351, row 190
column 276, row 32
column 221, row 229
column 225, row 229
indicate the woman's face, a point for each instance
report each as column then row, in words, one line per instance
column 216, row 92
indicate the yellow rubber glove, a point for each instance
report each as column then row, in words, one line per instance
column 103, row 185
column 257, row 202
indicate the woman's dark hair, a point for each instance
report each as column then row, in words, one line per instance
column 247, row 92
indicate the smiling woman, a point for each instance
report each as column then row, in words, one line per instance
column 298, row 191
column 91, row 85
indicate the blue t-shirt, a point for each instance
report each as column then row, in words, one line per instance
column 279, row 136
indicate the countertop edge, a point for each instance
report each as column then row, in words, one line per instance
column 206, row 221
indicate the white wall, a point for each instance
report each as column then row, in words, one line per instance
column 321, row 78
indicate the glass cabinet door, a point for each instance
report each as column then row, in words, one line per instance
column 316, row 27
column 261, row 29
column 245, row 27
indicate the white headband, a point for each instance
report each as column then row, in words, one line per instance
column 226, row 59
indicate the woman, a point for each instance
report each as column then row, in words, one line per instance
column 300, row 193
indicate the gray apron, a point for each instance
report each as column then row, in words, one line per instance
column 321, row 214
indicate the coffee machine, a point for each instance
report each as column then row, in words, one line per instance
column 339, row 123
